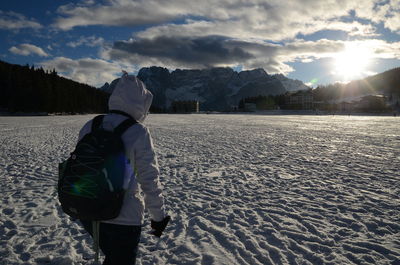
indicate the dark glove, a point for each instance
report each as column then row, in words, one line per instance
column 158, row 227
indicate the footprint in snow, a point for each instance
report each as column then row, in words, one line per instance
column 8, row 211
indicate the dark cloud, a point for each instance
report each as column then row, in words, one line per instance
column 201, row 51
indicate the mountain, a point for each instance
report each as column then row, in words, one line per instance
column 291, row 84
column 215, row 88
column 386, row 83
column 109, row 88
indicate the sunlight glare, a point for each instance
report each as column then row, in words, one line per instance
column 352, row 62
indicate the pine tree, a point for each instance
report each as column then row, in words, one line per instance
column 26, row 89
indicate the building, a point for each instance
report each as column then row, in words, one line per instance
column 394, row 100
column 345, row 106
column 251, row 107
column 372, row 103
column 302, row 99
column 185, row 106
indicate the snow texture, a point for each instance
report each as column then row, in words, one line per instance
column 241, row 189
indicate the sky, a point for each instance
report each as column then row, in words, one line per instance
column 316, row 41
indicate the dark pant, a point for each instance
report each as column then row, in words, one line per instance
column 119, row 243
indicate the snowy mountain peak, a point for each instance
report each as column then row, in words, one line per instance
column 291, row 84
column 217, row 88
column 255, row 74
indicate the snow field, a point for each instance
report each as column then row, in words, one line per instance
column 241, row 189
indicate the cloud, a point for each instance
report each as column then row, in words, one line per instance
column 117, row 13
column 203, row 52
column 271, row 20
column 386, row 12
column 264, row 30
column 94, row 72
column 381, row 49
column 91, row 41
column 393, row 23
column 28, row 49
column 259, row 33
column 195, row 52
column 16, row 21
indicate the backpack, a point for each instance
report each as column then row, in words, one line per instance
column 91, row 180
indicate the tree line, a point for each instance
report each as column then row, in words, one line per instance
column 26, row 89
column 264, row 102
column 387, row 83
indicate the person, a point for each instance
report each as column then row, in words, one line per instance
column 119, row 237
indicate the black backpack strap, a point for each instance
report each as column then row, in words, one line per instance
column 121, row 113
column 97, row 122
column 120, row 129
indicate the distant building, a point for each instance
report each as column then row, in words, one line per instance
column 345, row 106
column 394, row 100
column 252, row 107
column 372, row 103
column 366, row 103
column 185, row 106
column 302, row 99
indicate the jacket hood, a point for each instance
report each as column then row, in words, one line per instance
column 131, row 96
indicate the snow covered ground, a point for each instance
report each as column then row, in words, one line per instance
column 241, row 189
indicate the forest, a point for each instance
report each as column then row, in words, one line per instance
column 387, row 83
column 30, row 90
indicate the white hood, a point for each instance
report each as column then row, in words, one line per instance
column 131, row 96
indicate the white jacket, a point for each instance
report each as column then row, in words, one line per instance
column 131, row 97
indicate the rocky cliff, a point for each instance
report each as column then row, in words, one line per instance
column 215, row 88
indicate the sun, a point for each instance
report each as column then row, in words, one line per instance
column 352, row 62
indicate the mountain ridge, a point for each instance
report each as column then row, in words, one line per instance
column 386, row 83
column 216, row 88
